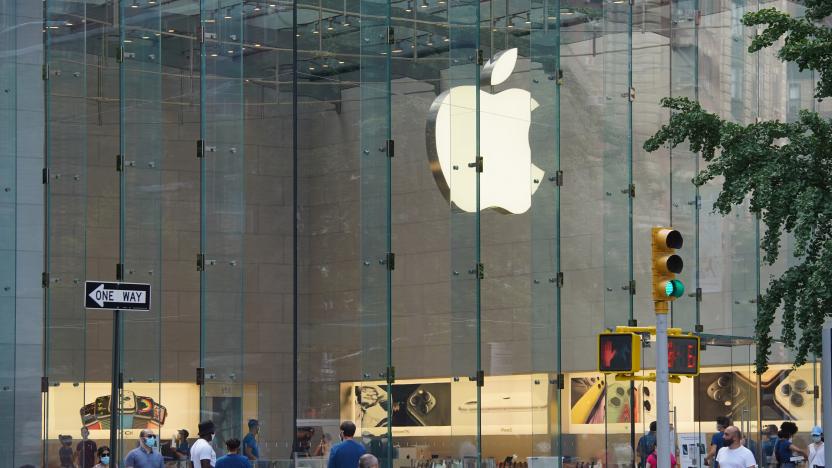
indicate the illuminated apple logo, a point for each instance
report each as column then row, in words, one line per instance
column 509, row 178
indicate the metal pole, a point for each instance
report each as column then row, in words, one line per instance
column 662, row 394
column 826, row 388
column 114, row 386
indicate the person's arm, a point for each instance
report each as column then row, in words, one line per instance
column 249, row 452
column 205, row 463
column 798, row 450
column 331, row 462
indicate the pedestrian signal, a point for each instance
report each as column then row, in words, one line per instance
column 619, row 352
column 683, row 355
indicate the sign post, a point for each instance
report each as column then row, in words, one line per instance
column 116, row 296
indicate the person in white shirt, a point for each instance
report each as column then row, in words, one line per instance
column 202, row 454
column 734, row 455
column 817, row 456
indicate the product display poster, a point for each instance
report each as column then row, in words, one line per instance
column 165, row 408
column 786, row 394
column 691, row 449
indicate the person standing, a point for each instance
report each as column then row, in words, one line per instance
column 250, row 448
column 769, row 444
column 653, row 458
column 103, row 457
column 817, row 456
column 144, row 456
column 785, row 449
column 346, row 453
column 85, row 450
column 202, row 454
column 233, row 459
column 717, row 440
column 734, row 454
column 645, row 445
column 368, row 460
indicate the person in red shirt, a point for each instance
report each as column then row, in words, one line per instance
column 653, row 459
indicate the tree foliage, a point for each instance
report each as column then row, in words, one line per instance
column 784, row 170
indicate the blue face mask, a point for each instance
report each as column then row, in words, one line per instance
column 105, row 459
column 150, row 441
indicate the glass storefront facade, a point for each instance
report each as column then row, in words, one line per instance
column 414, row 214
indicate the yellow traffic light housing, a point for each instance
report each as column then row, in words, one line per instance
column 619, row 353
column 666, row 264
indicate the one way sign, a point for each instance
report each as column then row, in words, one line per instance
column 121, row 296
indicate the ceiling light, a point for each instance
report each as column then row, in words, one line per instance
column 424, row 4
column 409, row 6
column 330, row 25
column 528, row 17
column 430, row 39
column 256, row 7
column 135, row 4
column 341, row 62
column 447, row 39
column 256, row 45
column 171, row 30
column 213, row 55
column 311, row 68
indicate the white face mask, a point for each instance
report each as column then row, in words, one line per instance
column 816, row 438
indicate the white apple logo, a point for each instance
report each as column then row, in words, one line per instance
column 509, row 178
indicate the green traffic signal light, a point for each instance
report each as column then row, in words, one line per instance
column 674, row 288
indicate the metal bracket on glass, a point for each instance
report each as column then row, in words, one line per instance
column 391, row 148
column 480, row 57
column 390, row 260
column 391, row 35
column 632, row 322
column 119, row 163
column 44, row 384
column 559, row 279
column 44, row 72
column 391, row 374
column 120, row 54
column 559, row 380
column 631, row 286
column 200, row 262
column 699, row 328
column 44, row 280
column 119, row 271
column 479, row 378
column 557, row 178
column 478, row 164
column 200, row 148
column 45, row 175
column 200, row 375
column 560, row 77
column 480, row 271
column 632, row 93
column 816, row 391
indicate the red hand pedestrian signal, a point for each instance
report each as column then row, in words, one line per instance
column 619, row 352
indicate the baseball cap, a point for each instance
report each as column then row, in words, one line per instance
column 817, row 430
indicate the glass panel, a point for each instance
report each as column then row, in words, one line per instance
column 141, row 403
column 223, row 219
column 8, row 222
column 66, row 225
column 463, row 146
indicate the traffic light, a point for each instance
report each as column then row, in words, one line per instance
column 666, row 264
column 683, row 355
column 619, row 352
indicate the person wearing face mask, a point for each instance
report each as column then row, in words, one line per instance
column 103, row 457
column 769, row 443
column 734, row 454
column 817, row 457
column 144, row 456
column 202, row 454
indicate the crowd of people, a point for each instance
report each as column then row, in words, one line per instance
column 729, row 448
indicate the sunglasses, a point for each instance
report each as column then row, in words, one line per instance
column 105, row 454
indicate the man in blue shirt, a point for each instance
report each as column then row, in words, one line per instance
column 144, row 456
column 346, row 453
column 250, row 448
column 717, row 440
column 645, row 445
column 233, row 459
